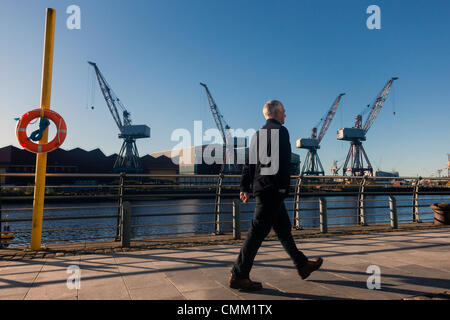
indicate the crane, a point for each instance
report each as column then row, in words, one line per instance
column 312, row 164
column 355, row 135
column 448, row 165
column 446, row 168
column 223, row 128
column 335, row 168
column 128, row 159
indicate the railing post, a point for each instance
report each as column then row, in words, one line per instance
column 217, row 205
column 361, row 215
column 415, row 216
column 393, row 212
column 236, row 219
column 119, row 215
column 125, row 226
column 323, row 215
column 297, row 204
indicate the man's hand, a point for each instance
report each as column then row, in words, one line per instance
column 244, row 197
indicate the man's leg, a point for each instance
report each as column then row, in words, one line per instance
column 259, row 229
column 282, row 227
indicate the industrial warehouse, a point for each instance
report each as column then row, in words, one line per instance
column 15, row 160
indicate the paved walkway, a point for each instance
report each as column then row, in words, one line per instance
column 412, row 263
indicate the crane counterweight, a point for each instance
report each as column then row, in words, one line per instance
column 350, row 134
column 306, row 143
column 135, row 131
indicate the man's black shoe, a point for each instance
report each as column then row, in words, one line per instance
column 244, row 284
column 310, row 267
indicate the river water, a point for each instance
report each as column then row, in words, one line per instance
column 177, row 225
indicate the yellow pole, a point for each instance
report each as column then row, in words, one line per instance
column 41, row 158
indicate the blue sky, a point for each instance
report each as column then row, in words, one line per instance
column 304, row 53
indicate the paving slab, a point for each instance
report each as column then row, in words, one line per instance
column 20, row 276
column 110, row 291
column 219, row 274
column 267, row 293
column 420, row 258
column 429, row 278
column 14, row 293
column 289, row 283
column 353, row 279
column 400, row 282
column 160, row 291
column 22, row 266
column 4, row 263
column 13, row 297
column 190, row 280
column 432, row 259
column 53, row 291
column 142, row 279
column 211, row 294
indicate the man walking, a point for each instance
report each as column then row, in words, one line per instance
column 270, row 181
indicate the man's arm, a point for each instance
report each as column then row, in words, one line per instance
column 284, row 172
column 248, row 172
column 246, row 182
column 246, row 179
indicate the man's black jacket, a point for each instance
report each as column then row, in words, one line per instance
column 251, row 173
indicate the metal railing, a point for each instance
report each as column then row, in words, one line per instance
column 117, row 206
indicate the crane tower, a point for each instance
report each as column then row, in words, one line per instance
column 357, row 155
column 229, row 142
column 448, row 165
column 128, row 159
column 312, row 164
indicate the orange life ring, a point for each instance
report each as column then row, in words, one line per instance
column 27, row 144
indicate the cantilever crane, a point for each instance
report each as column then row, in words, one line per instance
column 335, row 168
column 446, row 168
column 312, row 164
column 355, row 135
column 128, row 158
column 223, row 127
column 448, row 165
column 227, row 140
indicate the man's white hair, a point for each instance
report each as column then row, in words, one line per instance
column 270, row 107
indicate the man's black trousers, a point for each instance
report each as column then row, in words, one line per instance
column 270, row 212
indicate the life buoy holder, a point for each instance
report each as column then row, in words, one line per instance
column 27, row 144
